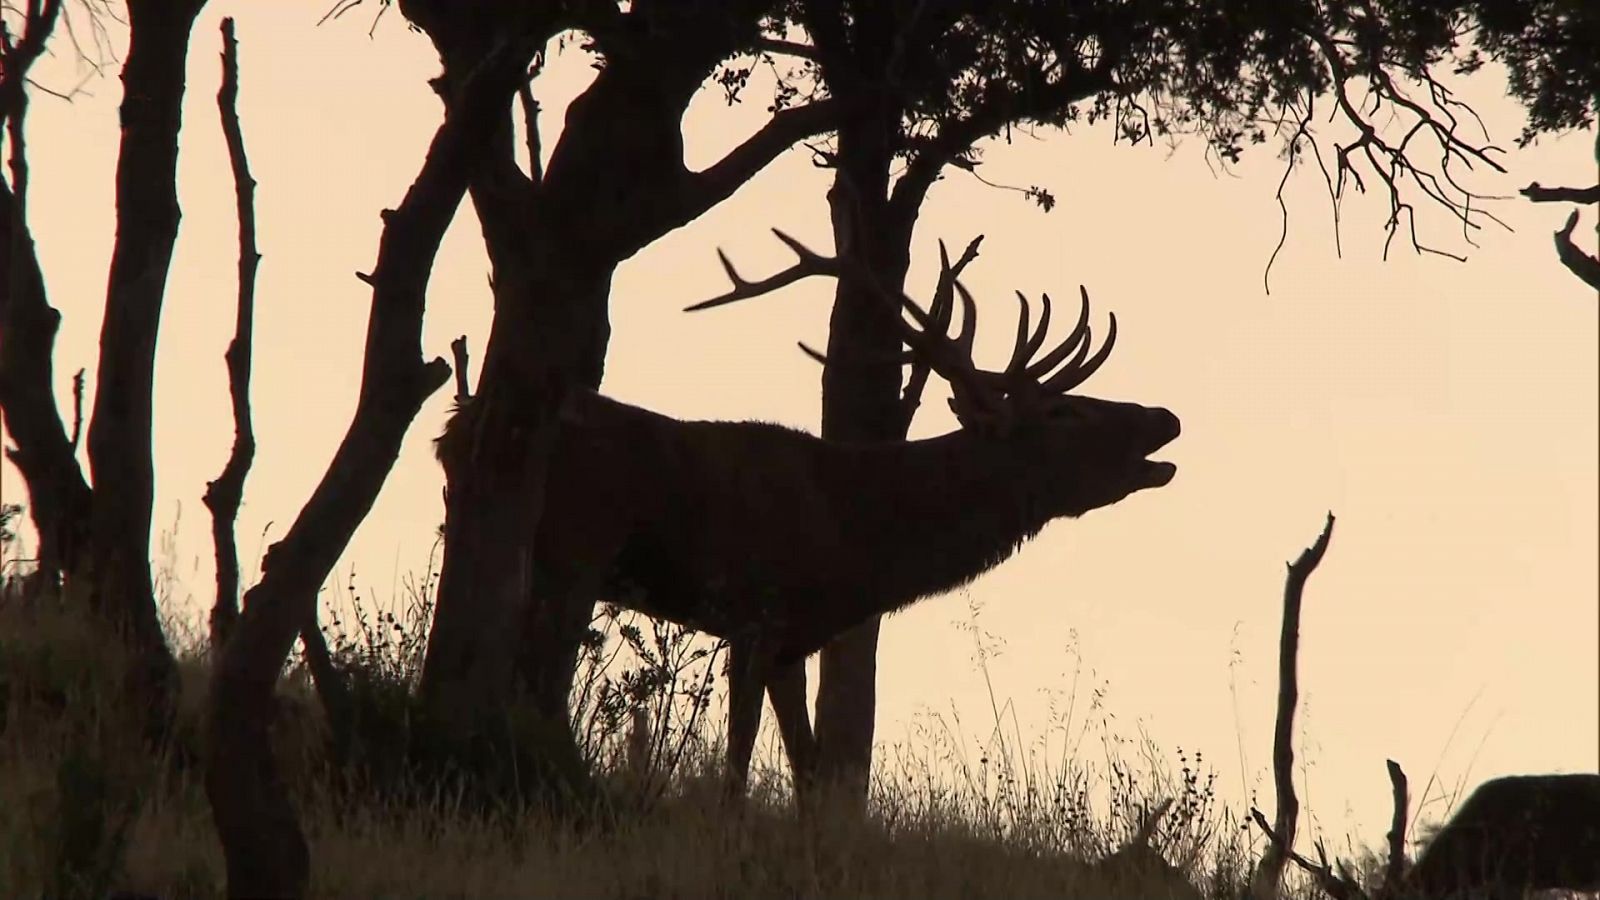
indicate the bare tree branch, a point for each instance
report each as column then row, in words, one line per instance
column 1540, row 194
column 77, row 408
column 458, row 349
column 1332, row 883
column 1391, row 163
column 702, row 190
column 1396, row 868
column 1269, row 872
column 530, row 119
column 1579, row 263
column 788, row 48
column 224, row 495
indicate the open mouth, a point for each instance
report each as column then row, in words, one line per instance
column 1156, row 473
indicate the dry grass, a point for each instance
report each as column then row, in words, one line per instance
column 86, row 809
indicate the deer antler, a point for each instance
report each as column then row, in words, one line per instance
column 979, row 395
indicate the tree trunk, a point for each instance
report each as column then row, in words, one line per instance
column 58, row 495
column 120, row 455
column 487, row 595
column 860, row 402
column 57, row 492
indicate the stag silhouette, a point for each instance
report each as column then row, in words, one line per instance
column 778, row 541
column 1513, row 835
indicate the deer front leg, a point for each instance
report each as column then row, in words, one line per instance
column 748, row 666
column 786, row 686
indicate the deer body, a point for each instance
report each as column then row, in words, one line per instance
column 779, row 541
column 732, row 527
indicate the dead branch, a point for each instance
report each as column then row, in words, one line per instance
column 224, row 495
column 77, row 408
column 1577, row 262
column 530, row 121
column 1540, row 194
column 1332, row 883
column 458, row 350
column 1395, row 870
column 1269, row 873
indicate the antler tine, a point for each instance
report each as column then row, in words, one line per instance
column 1019, row 350
column 943, row 306
column 1073, row 375
column 1037, row 340
column 1038, row 370
column 810, row 263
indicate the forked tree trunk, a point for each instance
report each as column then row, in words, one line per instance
column 58, row 495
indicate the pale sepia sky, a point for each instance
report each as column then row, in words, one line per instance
column 1446, row 412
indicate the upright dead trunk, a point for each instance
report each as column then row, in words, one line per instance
column 120, row 456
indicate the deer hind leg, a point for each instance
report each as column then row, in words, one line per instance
column 748, row 666
column 786, row 687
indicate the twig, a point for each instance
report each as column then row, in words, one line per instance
column 530, row 121
column 458, row 349
column 1396, row 868
column 77, row 409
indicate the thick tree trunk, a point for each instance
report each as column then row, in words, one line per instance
column 860, row 401
column 495, row 455
column 263, row 846
column 120, row 455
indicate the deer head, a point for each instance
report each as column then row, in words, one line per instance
column 1078, row 453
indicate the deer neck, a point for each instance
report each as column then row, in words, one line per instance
column 933, row 514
